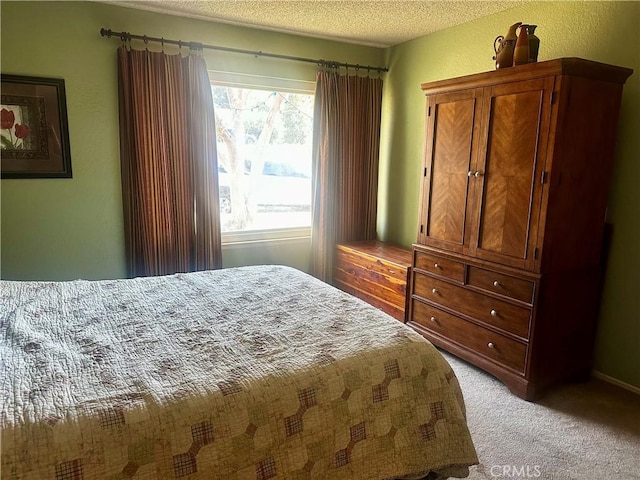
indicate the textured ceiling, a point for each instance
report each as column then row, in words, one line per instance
column 366, row 22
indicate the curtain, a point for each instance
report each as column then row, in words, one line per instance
column 169, row 163
column 346, row 145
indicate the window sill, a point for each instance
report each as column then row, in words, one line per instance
column 263, row 236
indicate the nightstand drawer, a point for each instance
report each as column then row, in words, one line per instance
column 440, row 266
column 506, row 316
column 495, row 282
column 482, row 341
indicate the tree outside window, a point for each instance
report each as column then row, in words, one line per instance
column 264, row 157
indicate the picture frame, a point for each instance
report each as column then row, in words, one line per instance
column 35, row 134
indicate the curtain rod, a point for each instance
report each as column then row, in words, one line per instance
column 126, row 36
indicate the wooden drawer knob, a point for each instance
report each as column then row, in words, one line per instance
column 496, row 284
column 494, row 313
column 433, row 319
column 491, row 345
column 435, row 265
column 434, row 291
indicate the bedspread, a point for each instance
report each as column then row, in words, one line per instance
column 244, row 373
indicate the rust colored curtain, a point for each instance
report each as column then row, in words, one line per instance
column 169, row 163
column 346, row 146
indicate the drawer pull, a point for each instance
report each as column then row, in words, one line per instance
column 436, row 265
column 433, row 319
column 491, row 345
column 434, row 291
column 497, row 284
column 494, row 313
column 392, row 272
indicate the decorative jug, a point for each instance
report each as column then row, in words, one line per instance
column 521, row 51
column 504, row 47
column 534, row 43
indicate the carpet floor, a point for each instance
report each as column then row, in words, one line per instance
column 580, row 431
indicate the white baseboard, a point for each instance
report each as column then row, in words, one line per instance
column 615, row 381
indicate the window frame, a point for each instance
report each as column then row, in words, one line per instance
column 262, row 82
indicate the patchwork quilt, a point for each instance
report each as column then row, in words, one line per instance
column 245, row 373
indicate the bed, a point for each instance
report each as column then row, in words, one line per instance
column 242, row 373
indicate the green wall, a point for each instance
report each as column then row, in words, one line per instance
column 602, row 31
column 60, row 229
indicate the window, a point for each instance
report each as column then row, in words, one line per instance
column 264, row 138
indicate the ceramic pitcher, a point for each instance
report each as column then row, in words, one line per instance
column 504, row 47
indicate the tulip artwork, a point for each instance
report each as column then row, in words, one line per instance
column 34, row 135
column 16, row 133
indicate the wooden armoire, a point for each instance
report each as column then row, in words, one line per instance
column 507, row 268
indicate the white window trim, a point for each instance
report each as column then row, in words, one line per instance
column 276, row 234
column 258, row 82
column 261, row 82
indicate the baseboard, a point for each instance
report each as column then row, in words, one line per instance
column 615, row 381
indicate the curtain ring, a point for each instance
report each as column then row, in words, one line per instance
column 162, row 43
column 146, row 42
column 126, row 40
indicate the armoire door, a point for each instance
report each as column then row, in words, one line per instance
column 509, row 179
column 452, row 135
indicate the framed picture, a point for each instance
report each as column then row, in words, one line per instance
column 34, row 133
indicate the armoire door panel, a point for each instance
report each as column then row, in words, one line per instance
column 449, row 157
column 509, row 191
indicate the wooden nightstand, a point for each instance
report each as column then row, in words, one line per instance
column 376, row 272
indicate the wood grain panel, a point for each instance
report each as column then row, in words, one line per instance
column 448, row 167
column 395, row 310
column 375, row 272
column 582, row 165
column 508, row 173
column 374, row 266
column 384, row 252
column 390, row 289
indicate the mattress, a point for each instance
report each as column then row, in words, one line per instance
column 244, row 373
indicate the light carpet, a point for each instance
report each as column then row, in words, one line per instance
column 577, row 431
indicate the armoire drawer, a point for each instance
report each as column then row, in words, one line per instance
column 495, row 282
column 482, row 341
column 492, row 311
column 440, row 266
